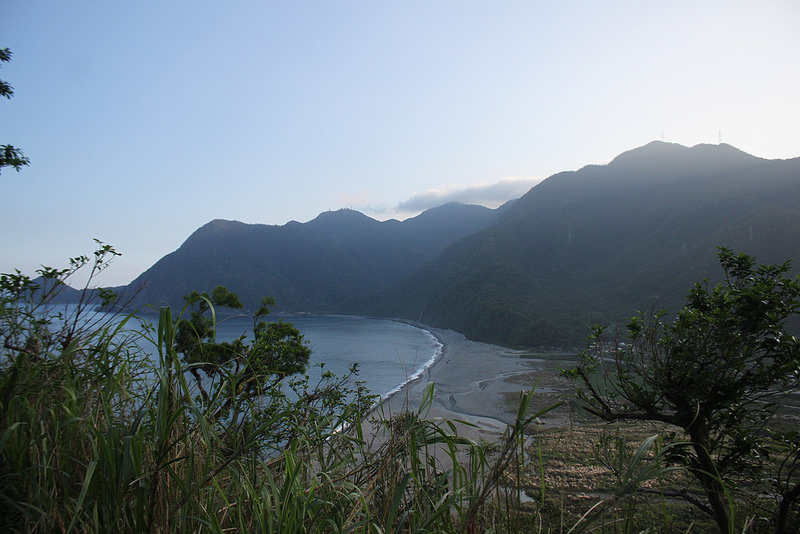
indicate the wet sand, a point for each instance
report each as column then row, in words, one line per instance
column 480, row 384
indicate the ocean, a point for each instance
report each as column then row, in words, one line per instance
column 388, row 353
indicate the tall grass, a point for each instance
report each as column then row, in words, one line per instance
column 97, row 437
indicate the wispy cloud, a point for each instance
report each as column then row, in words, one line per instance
column 490, row 195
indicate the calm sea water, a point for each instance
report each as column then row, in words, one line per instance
column 388, row 353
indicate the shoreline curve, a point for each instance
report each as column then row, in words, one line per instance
column 479, row 384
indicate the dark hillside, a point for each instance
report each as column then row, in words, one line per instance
column 582, row 247
column 306, row 266
column 592, row 246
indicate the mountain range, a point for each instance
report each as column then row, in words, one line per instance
column 308, row 267
column 582, row 247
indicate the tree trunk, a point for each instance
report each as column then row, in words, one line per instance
column 783, row 510
column 706, row 473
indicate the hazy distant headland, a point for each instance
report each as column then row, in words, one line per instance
column 583, row 247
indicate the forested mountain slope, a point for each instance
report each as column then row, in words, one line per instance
column 583, row 247
column 597, row 244
column 305, row 266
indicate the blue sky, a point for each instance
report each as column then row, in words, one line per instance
column 145, row 120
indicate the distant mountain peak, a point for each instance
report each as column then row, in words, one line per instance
column 222, row 223
column 723, row 150
column 651, row 149
column 661, row 150
column 343, row 215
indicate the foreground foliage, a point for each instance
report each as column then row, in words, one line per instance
column 10, row 156
column 109, row 424
column 716, row 376
column 112, row 425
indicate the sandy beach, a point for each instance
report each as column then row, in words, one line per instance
column 480, row 383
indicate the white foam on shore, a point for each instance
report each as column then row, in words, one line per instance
column 437, row 352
